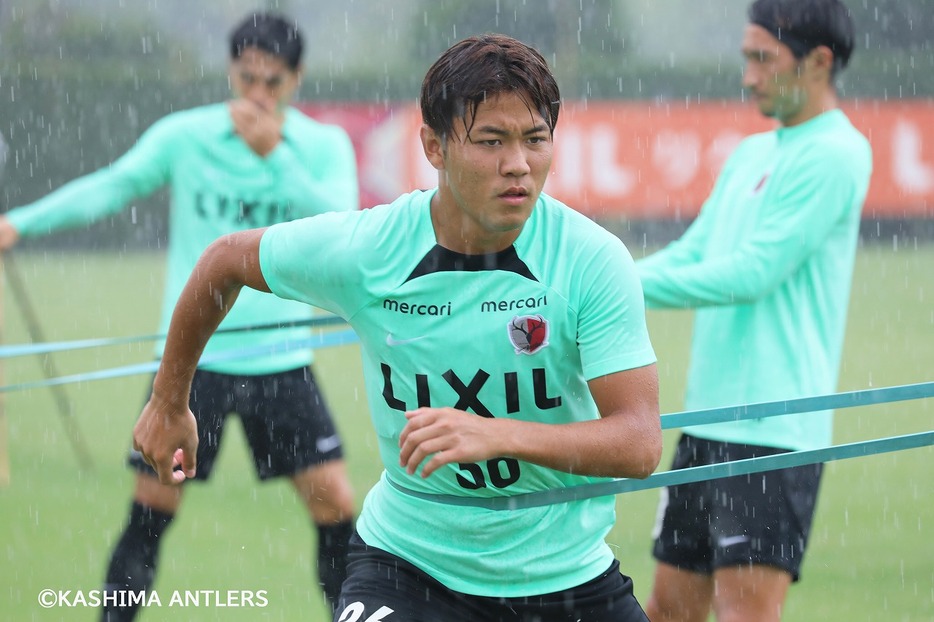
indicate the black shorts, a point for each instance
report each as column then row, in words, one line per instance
column 760, row 518
column 390, row 589
column 285, row 419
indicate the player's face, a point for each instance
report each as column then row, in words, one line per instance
column 490, row 178
column 776, row 80
column 264, row 79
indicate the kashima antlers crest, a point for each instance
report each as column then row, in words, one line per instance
column 528, row 333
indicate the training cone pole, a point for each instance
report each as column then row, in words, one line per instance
column 18, row 291
column 4, row 435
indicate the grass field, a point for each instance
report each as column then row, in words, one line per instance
column 872, row 553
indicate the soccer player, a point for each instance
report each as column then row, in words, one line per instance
column 768, row 265
column 249, row 162
column 505, row 351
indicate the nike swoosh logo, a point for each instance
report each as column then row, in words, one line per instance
column 392, row 341
column 731, row 540
column 327, row 443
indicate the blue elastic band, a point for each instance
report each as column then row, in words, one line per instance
column 24, row 349
column 562, row 495
column 325, row 340
column 681, row 476
column 865, row 397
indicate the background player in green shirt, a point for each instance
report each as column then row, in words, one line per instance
column 768, row 265
column 252, row 161
column 504, row 348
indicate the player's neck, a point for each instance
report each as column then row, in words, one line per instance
column 457, row 232
column 816, row 105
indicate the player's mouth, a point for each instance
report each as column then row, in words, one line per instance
column 757, row 96
column 515, row 195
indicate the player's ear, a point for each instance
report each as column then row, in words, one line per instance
column 299, row 73
column 433, row 146
column 821, row 59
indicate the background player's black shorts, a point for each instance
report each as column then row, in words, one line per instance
column 378, row 581
column 760, row 518
column 285, row 419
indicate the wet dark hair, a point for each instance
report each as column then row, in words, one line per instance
column 803, row 25
column 269, row 32
column 479, row 68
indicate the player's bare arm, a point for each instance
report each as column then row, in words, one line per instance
column 166, row 424
column 625, row 442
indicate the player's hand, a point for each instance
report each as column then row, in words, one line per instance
column 449, row 434
column 260, row 128
column 9, row 236
column 167, row 438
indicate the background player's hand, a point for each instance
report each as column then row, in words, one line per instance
column 167, row 438
column 259, row 127
column 451, row 435
column 9, row 236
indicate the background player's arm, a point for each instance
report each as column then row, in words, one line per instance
column 166, row 424
column 689, row 248
column 812, row 199
column 140, row 171
column 625, row 442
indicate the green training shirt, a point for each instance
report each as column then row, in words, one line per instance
column 517, row 334
column 218, row 186
column 768, row 265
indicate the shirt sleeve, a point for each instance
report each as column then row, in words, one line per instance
column 687, row 249
column 82, row 201
column 311, row 260
column 612, row 333
column 807, row 199
column 318, row 170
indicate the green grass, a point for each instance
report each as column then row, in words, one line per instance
column 872, row 548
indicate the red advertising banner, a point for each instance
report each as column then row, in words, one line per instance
column 649, row 160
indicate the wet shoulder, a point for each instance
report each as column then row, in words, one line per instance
column 398, row 229
column 213, row 119
column 301, row 126
column 558, row 227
